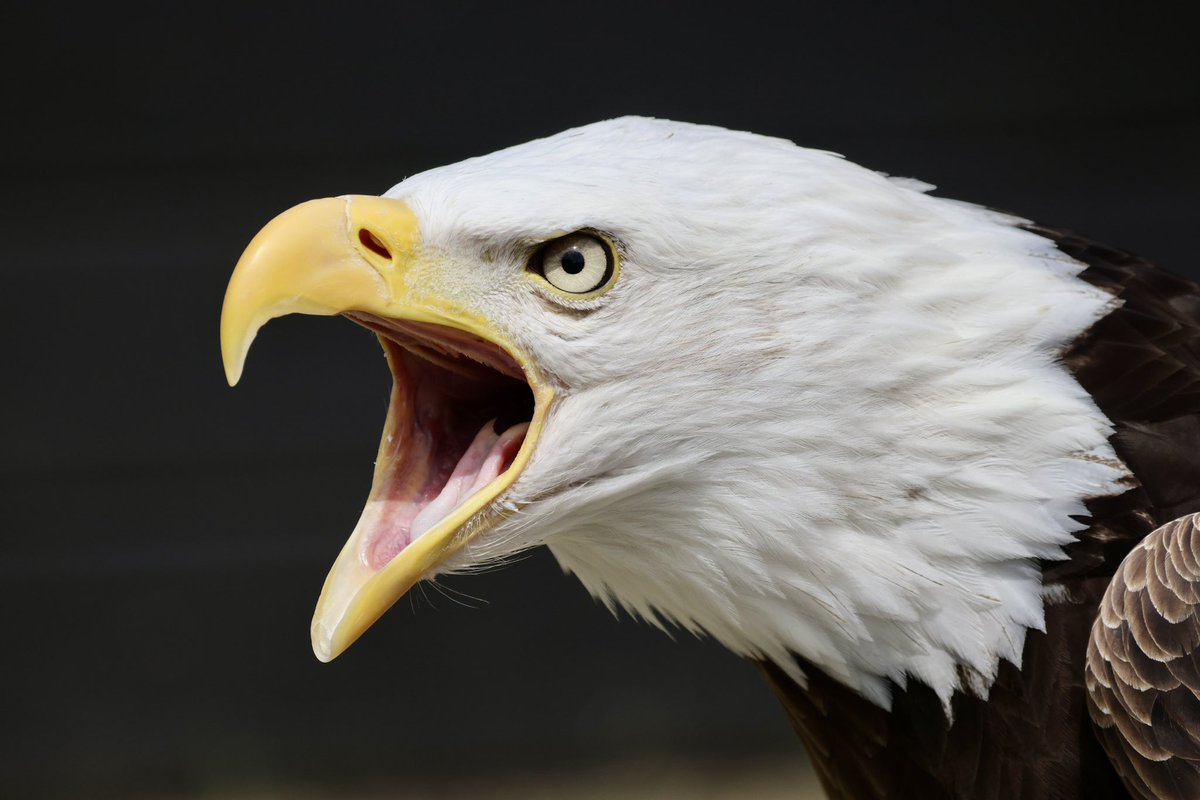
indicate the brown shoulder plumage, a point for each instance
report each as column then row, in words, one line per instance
column 1141, row 364
column 1143, row 665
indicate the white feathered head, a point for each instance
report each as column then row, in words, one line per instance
column 734, row 385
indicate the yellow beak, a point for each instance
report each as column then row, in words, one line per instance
column 350, row 253
column 357, row 254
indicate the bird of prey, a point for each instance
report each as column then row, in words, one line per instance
column 930, row 465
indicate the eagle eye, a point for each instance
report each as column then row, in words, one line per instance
column 578, row 263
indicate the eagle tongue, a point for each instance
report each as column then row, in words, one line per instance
column 407, row 500
column 489, row 454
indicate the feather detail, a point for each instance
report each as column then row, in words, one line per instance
column 1032, row 737
column 1142, row 677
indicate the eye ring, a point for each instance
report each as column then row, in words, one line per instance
column 578, row 265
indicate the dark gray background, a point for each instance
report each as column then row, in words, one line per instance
column 165, row 538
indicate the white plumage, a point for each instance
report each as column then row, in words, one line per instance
column 818, row 412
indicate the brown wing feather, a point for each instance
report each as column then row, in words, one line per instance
column 1142, row 661
column 1033, row 737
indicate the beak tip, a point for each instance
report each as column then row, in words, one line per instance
column 322, row 644
column 235, row 344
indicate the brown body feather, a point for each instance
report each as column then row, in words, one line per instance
column 1033, row 737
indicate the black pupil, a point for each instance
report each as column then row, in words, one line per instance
column 572, row 262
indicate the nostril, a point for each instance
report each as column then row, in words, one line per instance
column 372, row 243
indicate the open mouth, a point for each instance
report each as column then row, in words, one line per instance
column 467, row 406
column 459, row 413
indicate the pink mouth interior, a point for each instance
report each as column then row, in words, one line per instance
column 460, row 409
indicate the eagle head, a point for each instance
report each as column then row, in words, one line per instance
column 736, row 386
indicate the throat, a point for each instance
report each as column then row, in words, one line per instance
column 453, row 427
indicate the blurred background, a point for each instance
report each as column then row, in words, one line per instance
column 165, row 538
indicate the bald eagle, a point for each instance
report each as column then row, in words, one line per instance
column 907, row 453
